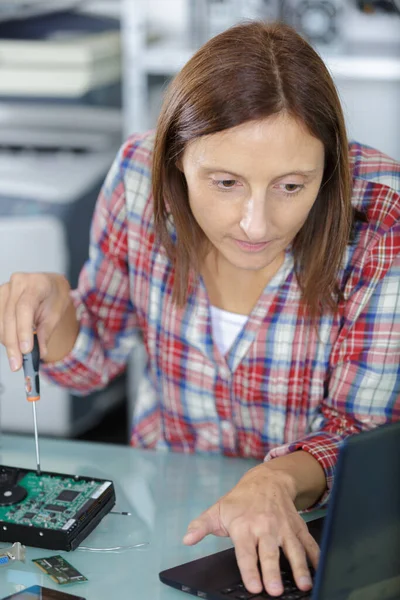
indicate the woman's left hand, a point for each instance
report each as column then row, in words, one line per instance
column 260, row 516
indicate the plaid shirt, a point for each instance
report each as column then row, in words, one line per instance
column 282, row 386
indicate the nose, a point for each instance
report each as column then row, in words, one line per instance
column 254, row 222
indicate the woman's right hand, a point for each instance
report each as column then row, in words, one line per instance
column 31, row 301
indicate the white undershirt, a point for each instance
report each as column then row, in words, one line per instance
column 226, row 326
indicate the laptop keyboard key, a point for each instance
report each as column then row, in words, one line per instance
column 266, row 596
column 291, row 592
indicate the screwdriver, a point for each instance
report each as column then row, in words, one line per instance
column 30, row 362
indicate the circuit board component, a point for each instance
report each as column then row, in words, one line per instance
column 51, row 510
column 59, row 570
column 14, row 552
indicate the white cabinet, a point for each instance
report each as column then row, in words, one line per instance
column 369, row 89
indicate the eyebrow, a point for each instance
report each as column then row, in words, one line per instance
column 306, row 173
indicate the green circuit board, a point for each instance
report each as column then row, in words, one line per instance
column 51, row 501
column 59, row 570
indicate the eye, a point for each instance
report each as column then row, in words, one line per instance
column 291, row 189
column 225, row 184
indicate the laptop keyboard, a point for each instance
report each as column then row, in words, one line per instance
column 291, row 591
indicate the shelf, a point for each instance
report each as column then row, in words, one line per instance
column 366, row 68
column 169, row 58
column 165, row 59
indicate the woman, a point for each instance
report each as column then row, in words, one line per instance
column 257, row 255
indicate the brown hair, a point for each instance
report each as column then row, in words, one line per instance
column 248, row 72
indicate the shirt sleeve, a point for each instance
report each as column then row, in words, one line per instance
column 363, row 389
column 108, row 324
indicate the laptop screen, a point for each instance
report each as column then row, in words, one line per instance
column 361, row 541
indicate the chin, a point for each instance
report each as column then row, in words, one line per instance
column 250, row 263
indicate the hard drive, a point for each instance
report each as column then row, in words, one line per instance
column 51, row 510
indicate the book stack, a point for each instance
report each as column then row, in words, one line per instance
column 23, row 9
column 59, row 55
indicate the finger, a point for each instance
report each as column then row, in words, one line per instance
column 193, row 536
column 199, row 528
column 247, row 560
column 4, row 293
column 24, row 314
column 296, row 556
column 311, row 547
column 10, row 336
column 208, row 522
column 269, row 553
column 43, row 334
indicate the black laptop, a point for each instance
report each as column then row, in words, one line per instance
column 359, row 537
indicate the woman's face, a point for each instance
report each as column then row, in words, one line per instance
column 251, row 187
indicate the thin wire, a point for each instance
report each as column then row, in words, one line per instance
column 113, row 549
column 116, row 512
column 35, row 427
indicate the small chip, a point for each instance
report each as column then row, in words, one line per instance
column 67, row 495
column 54, row 507
column 59, row 570
column 29, row 515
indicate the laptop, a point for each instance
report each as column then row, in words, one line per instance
column 359, row 536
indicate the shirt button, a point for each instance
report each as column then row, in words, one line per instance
column 226, row 425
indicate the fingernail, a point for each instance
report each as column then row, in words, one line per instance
column 305, row 581
column 189, row 532
column 255, row 585
column 275, row 586
column 24, row 347
column 13, row 363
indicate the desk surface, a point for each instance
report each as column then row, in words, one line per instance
column 162, row 491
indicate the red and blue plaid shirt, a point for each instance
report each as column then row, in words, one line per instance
column 283, row 385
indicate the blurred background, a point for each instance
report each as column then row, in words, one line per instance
column 78, row 76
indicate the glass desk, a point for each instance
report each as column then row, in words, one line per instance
column 162, row 491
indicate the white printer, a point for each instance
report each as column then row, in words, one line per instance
column 53, row 161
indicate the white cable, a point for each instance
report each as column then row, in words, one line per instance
column 114, row 549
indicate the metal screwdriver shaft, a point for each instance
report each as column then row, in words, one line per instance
column 36, row 438
column 30, row 363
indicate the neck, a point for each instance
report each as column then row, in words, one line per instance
column 234, row 289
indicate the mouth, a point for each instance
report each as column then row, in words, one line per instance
column 250, row 246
